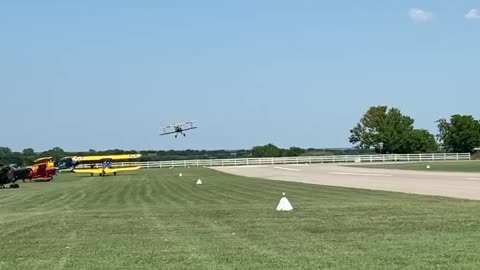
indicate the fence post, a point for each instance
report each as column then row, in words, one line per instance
column 444, row 156
column 457, row 156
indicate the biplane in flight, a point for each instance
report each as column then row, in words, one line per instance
column 105, row 161
column 178, row 128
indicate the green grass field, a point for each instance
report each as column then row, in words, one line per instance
column 153, row 219
column 442, row 166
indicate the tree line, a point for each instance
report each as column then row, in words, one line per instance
column 380, row 130
column 27, row 156
column 389, row 131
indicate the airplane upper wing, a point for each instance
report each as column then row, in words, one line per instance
column 179, row 124
column 103, row 157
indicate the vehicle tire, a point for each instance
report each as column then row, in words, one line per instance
column 115, row 173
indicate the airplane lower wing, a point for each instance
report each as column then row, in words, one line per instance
column 166, row 133
column 107, row 170
column 122, row 169
column 99, row 170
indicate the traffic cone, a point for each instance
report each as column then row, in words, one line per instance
column 284, row 204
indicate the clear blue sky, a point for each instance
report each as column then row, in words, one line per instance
column 108, row 74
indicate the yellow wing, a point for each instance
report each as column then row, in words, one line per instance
column 99, row 170
column 122, row 169
column 103, row 157
column 107, row 170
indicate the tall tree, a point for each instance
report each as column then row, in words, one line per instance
column 28, row 152
column 387, row 131
column 461, row 134
column 420, row 141
column 5, row 151
column 268, row 150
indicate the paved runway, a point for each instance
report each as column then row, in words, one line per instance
column 447, row 184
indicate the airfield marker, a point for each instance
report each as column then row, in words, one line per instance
column 180, row 175
column 199, row 182
column 284, row 204
column 428, row 166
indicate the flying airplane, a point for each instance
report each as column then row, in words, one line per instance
column 106, row 160
column 178, row 128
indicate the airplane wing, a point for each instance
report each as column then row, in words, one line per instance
column 166, row 133
column 94, row 171
column 107, row 170
column 122, row 169
column 185, row 129
column 178, row 124
column 83, row 159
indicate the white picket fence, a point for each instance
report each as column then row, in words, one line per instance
column 296, row 160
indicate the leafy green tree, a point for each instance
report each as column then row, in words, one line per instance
column 268, row 150
column 420, row 141
column 56, row 153
column 389, row 131
column 5, row 151
column 28, row 152
column 294, row 152
column 461, row 134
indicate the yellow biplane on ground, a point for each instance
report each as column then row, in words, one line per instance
column 105, row 161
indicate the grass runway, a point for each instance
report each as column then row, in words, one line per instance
column 153, row 219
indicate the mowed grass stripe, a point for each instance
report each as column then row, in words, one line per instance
column 154, row 219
